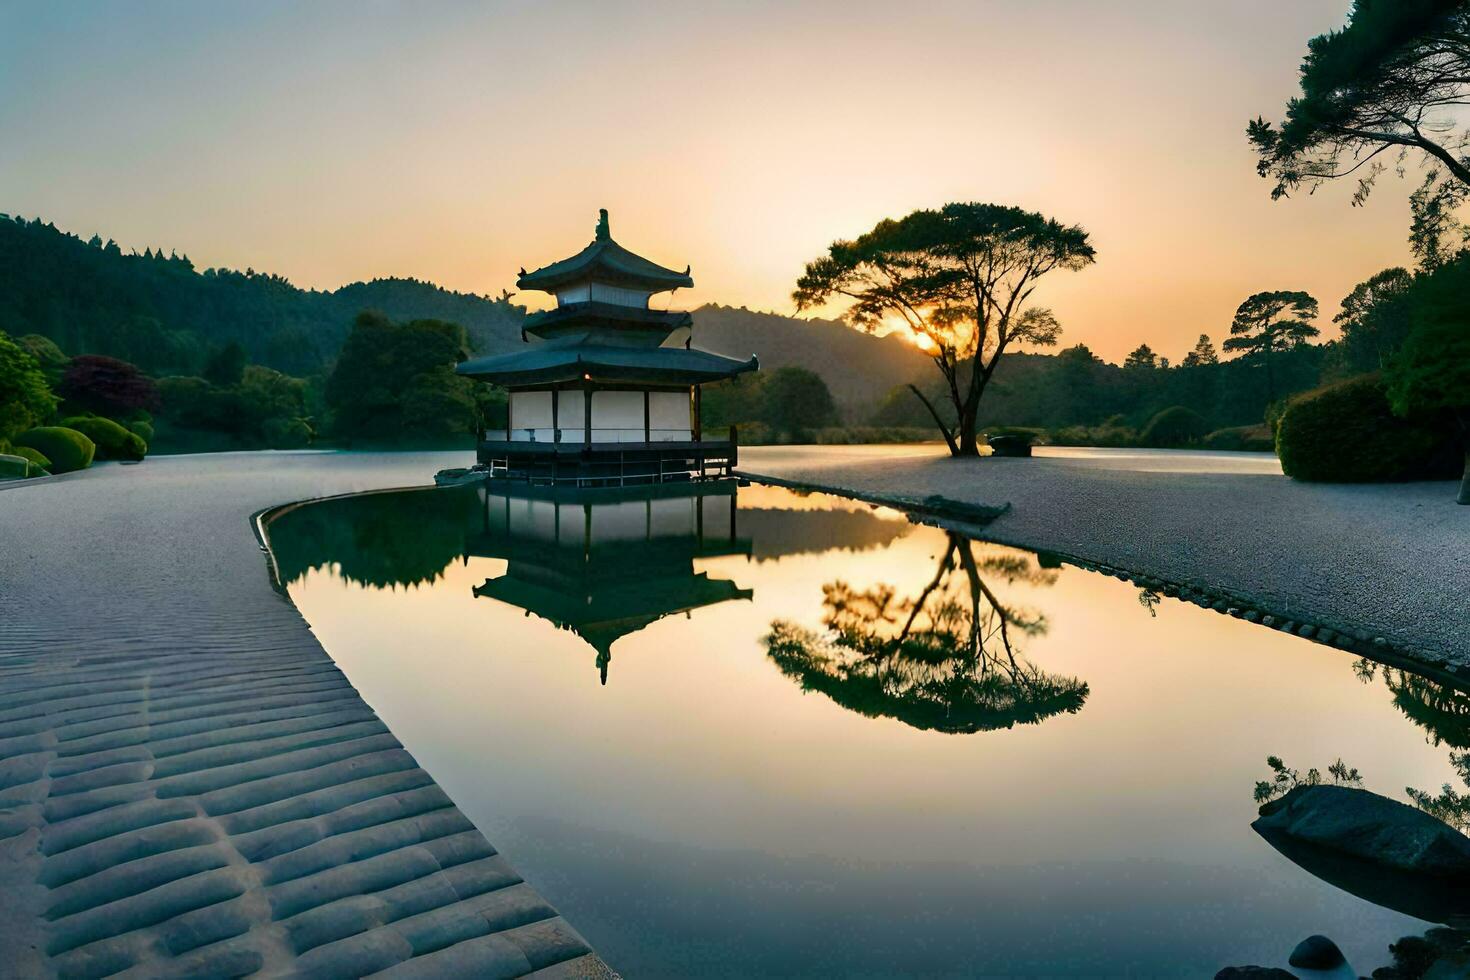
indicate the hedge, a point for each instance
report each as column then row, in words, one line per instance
column 67, row 449
column 1243, row 438
column 113, row 441
column 1175, row 426
column 142, row 429
column 37, row 459
column 14, row 467
column 1346, row 433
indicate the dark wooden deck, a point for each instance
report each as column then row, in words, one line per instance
column 608, row 463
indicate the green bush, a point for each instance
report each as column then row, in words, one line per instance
column 14, row 467
column 1107, row 435
column 1242, row 438
column 112, row 440
column 143, row 430
column 1346, row 433
column 38, row 459
column 1175, row 426
column 67, row 449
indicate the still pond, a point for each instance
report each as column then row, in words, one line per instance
column 761, row 733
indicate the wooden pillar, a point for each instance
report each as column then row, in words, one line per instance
column 587, row 416
column 510, row 417
column 647, row 430
column 555, row 415
column 698, row 427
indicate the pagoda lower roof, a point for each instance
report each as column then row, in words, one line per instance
column 578, row 357
column 598, row 315
column 605, row 261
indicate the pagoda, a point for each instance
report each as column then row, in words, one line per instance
column 608, row 390
column 607, row 563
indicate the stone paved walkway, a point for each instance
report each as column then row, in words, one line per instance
column 188, row 784
column 1390, row 561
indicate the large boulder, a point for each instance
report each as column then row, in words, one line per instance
column 1368, row 826
column 1010, row 445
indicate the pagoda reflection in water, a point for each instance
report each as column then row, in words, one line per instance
column 606, row 563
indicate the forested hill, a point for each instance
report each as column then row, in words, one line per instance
column 161, row 313
column 858, row 367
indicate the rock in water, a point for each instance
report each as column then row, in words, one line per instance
column 1369, row 826
column 1317, row 953
column 1010, row 446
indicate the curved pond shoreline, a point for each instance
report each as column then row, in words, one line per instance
column 1380, row 570
column 189, row 783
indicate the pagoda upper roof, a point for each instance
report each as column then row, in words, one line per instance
column 635, row 325
column 604, row 260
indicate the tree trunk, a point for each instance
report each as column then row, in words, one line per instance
column 969, row 441
column 943, row 429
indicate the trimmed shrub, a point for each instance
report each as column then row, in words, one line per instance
column 38, row 459
column 112, row 440
column 143, row 430
column 1346, row 433
column 14, row 467
column 67, row 449
column 1175, row 426
column 1242, row 438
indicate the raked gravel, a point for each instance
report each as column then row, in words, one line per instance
column 188, row 784
column 1385, row 561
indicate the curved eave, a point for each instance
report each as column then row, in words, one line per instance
column 551, row 364
column 608, row 262
column 605, row 315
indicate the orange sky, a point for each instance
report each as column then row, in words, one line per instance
column 457, row 142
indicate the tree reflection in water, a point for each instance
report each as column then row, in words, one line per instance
column 944, row 660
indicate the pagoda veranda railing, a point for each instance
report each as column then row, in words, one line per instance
column 574, row 438
column 612, row 456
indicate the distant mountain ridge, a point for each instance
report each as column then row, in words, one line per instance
column 161, row 313
column 858, row 367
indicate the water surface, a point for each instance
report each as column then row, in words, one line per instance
column 782, row 734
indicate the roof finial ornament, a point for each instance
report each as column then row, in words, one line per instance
column 602, row 233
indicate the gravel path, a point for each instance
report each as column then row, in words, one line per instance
column 1382, row 561
column 188, row 784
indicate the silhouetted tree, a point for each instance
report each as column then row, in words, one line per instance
column 944, row 660
column 1374, row 319
column 1268, row 324
column 226, row 366
column 1430, row 375
column 1436, row 233
column 25, row 398
column 795, row 400
column 1203, row 353
column 1141, row 358
column 396, row 380
column 1394, row 80
column 959, row 279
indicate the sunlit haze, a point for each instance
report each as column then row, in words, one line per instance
column 458, row 142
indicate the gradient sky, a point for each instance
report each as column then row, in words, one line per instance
column 456, row 142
